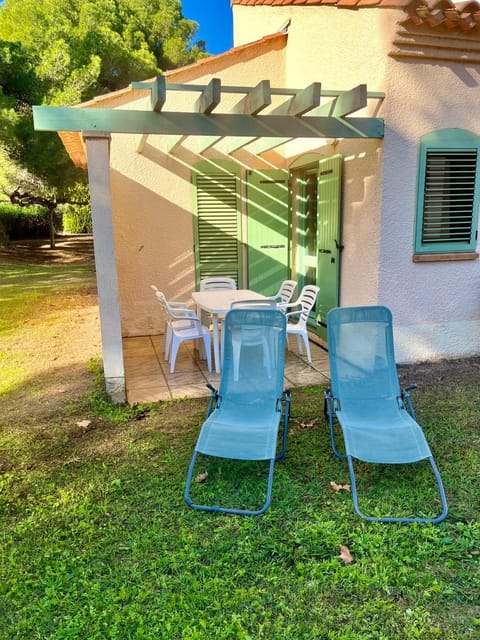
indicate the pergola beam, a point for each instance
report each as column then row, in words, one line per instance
column 205, row 103
column 350, row 101
column 345, row 103
column 199, row 124
column 302, row 102
column 158, row 96
column 257, row 99
column 210, row 97
column 158, row 93
column 299, row 104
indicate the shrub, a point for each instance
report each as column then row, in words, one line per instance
column 76, row 218
column 22, row 222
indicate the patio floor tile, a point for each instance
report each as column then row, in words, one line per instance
column 148, row 378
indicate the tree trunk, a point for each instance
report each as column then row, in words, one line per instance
column 51, row 226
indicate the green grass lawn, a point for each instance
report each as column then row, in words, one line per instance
column 97, row 543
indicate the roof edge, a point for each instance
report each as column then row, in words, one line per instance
column 277, row 40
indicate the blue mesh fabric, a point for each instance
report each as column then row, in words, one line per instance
column 245, row 424
column 365, row 385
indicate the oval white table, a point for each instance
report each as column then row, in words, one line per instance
column 217, row 302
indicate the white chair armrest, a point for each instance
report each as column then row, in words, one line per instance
column 293, row 313
column 184, row 314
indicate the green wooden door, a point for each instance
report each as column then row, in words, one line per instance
column 319, row 243
column 328, row 238
column 267, row 230
column 217, row 225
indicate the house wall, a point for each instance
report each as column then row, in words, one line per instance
column 152, row 196
column 339, row 47
column 320, row 49
column 435, row 308
column 435, row 305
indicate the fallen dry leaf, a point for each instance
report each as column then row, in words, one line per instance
column 202, row 477
column 306, row 425
column 345, row 554
column 339, row 487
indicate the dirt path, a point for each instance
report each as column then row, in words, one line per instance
column 69, row 250
column 55, row 344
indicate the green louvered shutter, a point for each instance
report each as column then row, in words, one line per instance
column 217, row 226
column 448, row 192
column 449, row 198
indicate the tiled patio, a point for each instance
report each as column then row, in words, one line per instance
column 148, row 378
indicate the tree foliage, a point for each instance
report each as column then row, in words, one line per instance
column 63, row 52
column 82, row 48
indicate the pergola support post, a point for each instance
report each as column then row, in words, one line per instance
column 98, row 154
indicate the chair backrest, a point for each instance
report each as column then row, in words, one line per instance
column 160, row 297
column 286, row 291
column 174, row 313
column 306, row 299
column 361, row 354
column 256, row 303
column 252, row 334
column 253, row 384
column 217, row 283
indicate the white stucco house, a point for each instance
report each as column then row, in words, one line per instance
column 337, row 143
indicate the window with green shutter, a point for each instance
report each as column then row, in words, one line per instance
column 217, row 221
column 447, row 203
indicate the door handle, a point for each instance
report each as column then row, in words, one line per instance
column 324, row 251
column 272, row 246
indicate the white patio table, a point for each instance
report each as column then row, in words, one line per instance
column 217, row 302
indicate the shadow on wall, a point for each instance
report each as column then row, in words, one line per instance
column 363, row 161
column 153, row 245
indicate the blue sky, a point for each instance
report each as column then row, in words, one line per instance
column 215, row 20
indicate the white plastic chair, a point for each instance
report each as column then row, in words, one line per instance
column 167, row 306
column 252, row 336
column 306, row 301
column 182, row 324
column 285, row 294
column 217, row 282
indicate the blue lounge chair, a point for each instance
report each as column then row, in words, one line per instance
column 245, row 414
column 377, row 418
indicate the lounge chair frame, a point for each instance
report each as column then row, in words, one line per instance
column 280, row 406
column 333, row 414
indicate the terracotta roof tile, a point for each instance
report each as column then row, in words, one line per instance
column 465, row 8
column 347, row 3
column 443, row 14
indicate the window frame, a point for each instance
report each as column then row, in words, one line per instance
column 448, row 140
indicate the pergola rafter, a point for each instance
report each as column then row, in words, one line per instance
column 311, row 112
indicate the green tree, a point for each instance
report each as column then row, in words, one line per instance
column 62, row 52
column 82, row 48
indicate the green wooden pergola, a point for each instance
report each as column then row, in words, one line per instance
column 259, row 117
column 328, row 120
